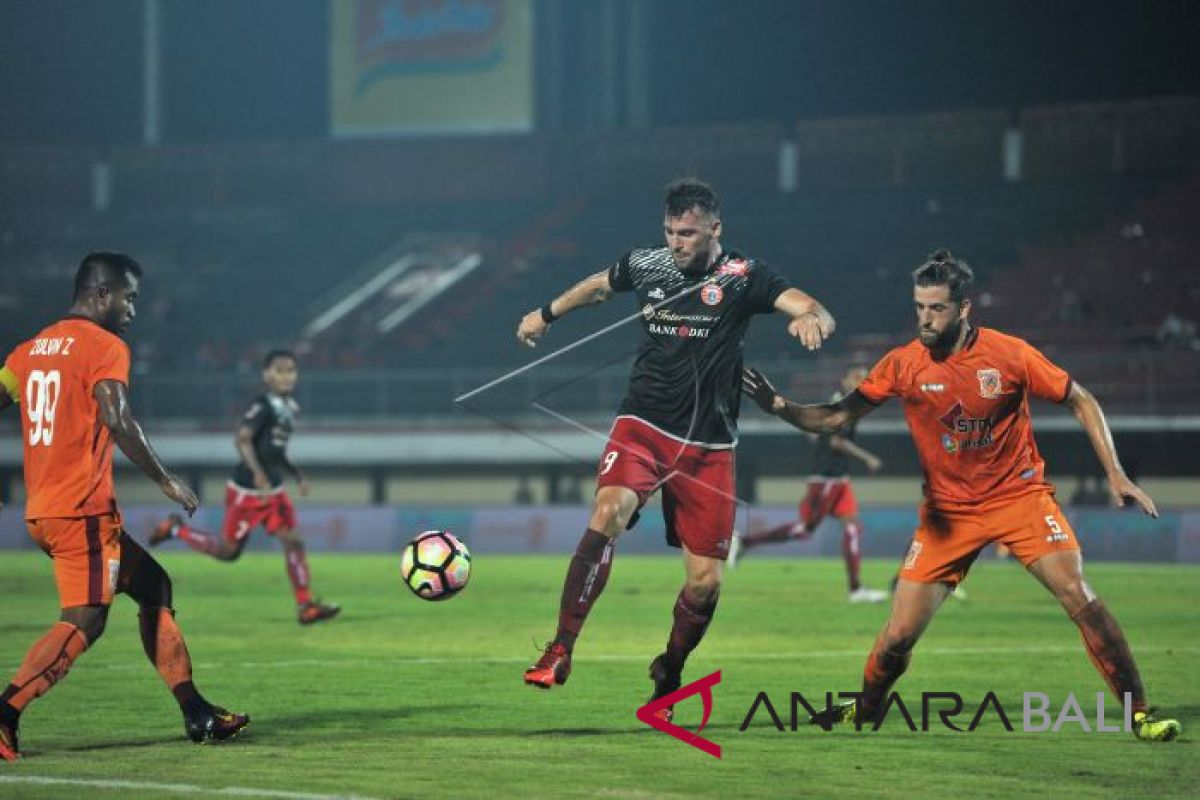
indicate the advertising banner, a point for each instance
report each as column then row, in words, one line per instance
column 418, row 67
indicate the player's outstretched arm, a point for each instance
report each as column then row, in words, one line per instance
column 1087, row 410
column 115, row 412
column 588, row 292
column 818, row 418
column 811, row 323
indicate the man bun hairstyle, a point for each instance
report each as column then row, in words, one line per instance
column 685, row 194
column 943, row 269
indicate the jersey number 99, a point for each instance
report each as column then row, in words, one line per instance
column 41, row 398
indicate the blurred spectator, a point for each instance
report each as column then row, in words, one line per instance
column 1177, row 332
column 1090, row 491
column 572, row 492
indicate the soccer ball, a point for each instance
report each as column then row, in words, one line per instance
column 435, row 565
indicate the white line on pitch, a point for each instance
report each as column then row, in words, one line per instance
column 177, row 788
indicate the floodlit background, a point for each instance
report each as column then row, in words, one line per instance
column 387, row 186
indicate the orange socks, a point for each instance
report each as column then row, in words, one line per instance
column 1109, row 652
column 164, row 646
column 884, row 667
column 46, row 663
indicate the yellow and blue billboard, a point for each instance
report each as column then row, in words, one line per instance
column 431, row 66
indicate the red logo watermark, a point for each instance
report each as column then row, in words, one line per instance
column 702, row 687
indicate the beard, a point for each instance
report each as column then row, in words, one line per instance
column 697, row 263
column 116, row 323
column 944, row 341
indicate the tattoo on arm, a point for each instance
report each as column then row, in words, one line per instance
column 588, row 292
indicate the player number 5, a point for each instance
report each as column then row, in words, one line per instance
column 1052, row 523
column 610, row 458
column 41, row 398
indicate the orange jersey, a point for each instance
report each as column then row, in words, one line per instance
column 68, row 450
column 969, row 415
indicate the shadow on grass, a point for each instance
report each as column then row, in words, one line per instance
column 315, row 718
column 116, row 744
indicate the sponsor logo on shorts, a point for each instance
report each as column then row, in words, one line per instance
column 914, row 550
column 114, row 571
column 1057, row 537
column 711, row 294
column 933, row 387
column 989, row 383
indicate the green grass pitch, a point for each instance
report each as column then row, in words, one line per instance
column 404, row 698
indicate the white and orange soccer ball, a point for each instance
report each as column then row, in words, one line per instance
column 435, row 565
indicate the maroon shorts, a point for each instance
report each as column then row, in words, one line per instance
column 827, row 496
column 246, row 509
column 697, row 483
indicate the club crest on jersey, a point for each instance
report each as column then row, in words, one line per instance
column 989, row 383
column 648, row 311
column 711, row 294
column 734, row 266
column 950, row 443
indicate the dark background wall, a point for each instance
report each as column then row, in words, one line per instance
column 254, row 69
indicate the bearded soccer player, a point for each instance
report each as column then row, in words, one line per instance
column 677, row 426
column 255, row 495
column 829, row 493
column 966, row 395
column 73, row 380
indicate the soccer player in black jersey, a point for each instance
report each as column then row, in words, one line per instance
column 829, row 493
column 255, row 496
column 677, row 426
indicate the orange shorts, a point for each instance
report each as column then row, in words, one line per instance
column 946, row 543
column 87, row 556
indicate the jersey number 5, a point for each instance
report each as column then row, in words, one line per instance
column 41, row 398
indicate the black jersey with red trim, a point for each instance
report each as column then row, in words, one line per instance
column 830, row 463
column 686, row 379
column 271, row 418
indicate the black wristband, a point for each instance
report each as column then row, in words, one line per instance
column 548, row 315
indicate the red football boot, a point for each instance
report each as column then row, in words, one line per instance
column 553, row 667
column 317, row 611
